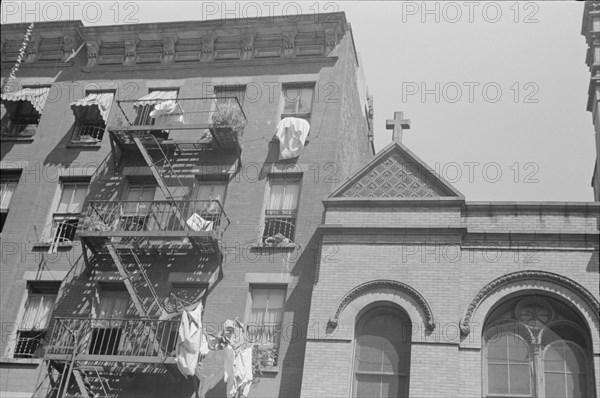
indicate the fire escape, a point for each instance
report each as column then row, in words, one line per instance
column 159, row 131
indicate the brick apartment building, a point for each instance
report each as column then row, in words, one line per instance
column 96, row 242
column 392, row 284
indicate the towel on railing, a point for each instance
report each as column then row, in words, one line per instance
column 292, row 133
column 198, row 223
column 189, row 341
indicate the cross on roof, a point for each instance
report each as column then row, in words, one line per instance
column 397, row 124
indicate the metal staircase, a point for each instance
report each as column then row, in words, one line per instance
column 58, row 375
column 134, row 276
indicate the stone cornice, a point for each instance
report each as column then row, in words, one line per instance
column 51, row 43
column 210, row 66
column 592, row 208
column 209, row 42
column 344, row 202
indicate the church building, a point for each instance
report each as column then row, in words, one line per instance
column 421, row 293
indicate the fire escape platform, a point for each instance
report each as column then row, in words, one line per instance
column 220, row 138
column 167, row 242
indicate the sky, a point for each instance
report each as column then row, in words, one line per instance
column 496, row 91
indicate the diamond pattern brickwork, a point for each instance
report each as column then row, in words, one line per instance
column 396, row 177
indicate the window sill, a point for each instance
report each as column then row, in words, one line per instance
column 84, row 144
column 272, row 370
column 46, row 245
column 16, row 139
column 283, row 247
column 21, row 361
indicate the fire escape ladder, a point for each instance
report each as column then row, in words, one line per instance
column 133, row 279
column 130, row 279
column 127, row 279
column 168, row 171
column 146, row 281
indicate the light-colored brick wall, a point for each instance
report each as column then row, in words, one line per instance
column 448, row 270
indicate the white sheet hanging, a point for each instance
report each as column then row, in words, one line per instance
column 189, row 341
column 292, row 133
column 197, row 223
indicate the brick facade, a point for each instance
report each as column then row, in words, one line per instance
column 447, row 251
column 336, row 116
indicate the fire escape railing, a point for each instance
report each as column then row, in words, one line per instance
column 154, row 216
column 113, row 337
column 177, row 114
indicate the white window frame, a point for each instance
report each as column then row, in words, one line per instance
column 269, row 288
column 6, row 181
column 23, row 311
column 51, row 232
column 286, row 179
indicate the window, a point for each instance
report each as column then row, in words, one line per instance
column 163, row 102
column 137, row 207
column 596, row 54
column 297, row 101
column 66, row 216
column 210, row 199
column 34, row 323
column 534, row 347
column 23, row 111
column 91, row 115
column 8, row 184
column 265, row 320
column 281, row 210
column 382, row 354
column 108, row 326
column 595, row 24
column 230, row 95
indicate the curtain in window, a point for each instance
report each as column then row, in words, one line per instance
column 156, row 104
column 38, row 311
column 266, row 315
column 298, row 100
column 113, row 305
column 7, row 190
column 72, row 198
column 101, row 101
column 210, row 191
column 139, row 196
column 284, row 196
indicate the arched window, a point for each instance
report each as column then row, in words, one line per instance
column 382, row 356
column 536, row 347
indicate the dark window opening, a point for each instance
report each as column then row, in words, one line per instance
column 89, row 126
column 20, row 120
column 30, row 344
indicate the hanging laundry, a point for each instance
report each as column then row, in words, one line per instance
column 238, row 370
column 167, row 112
column 189, row 341
column 197, row 223
column 292, row 133
column 243, row 370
